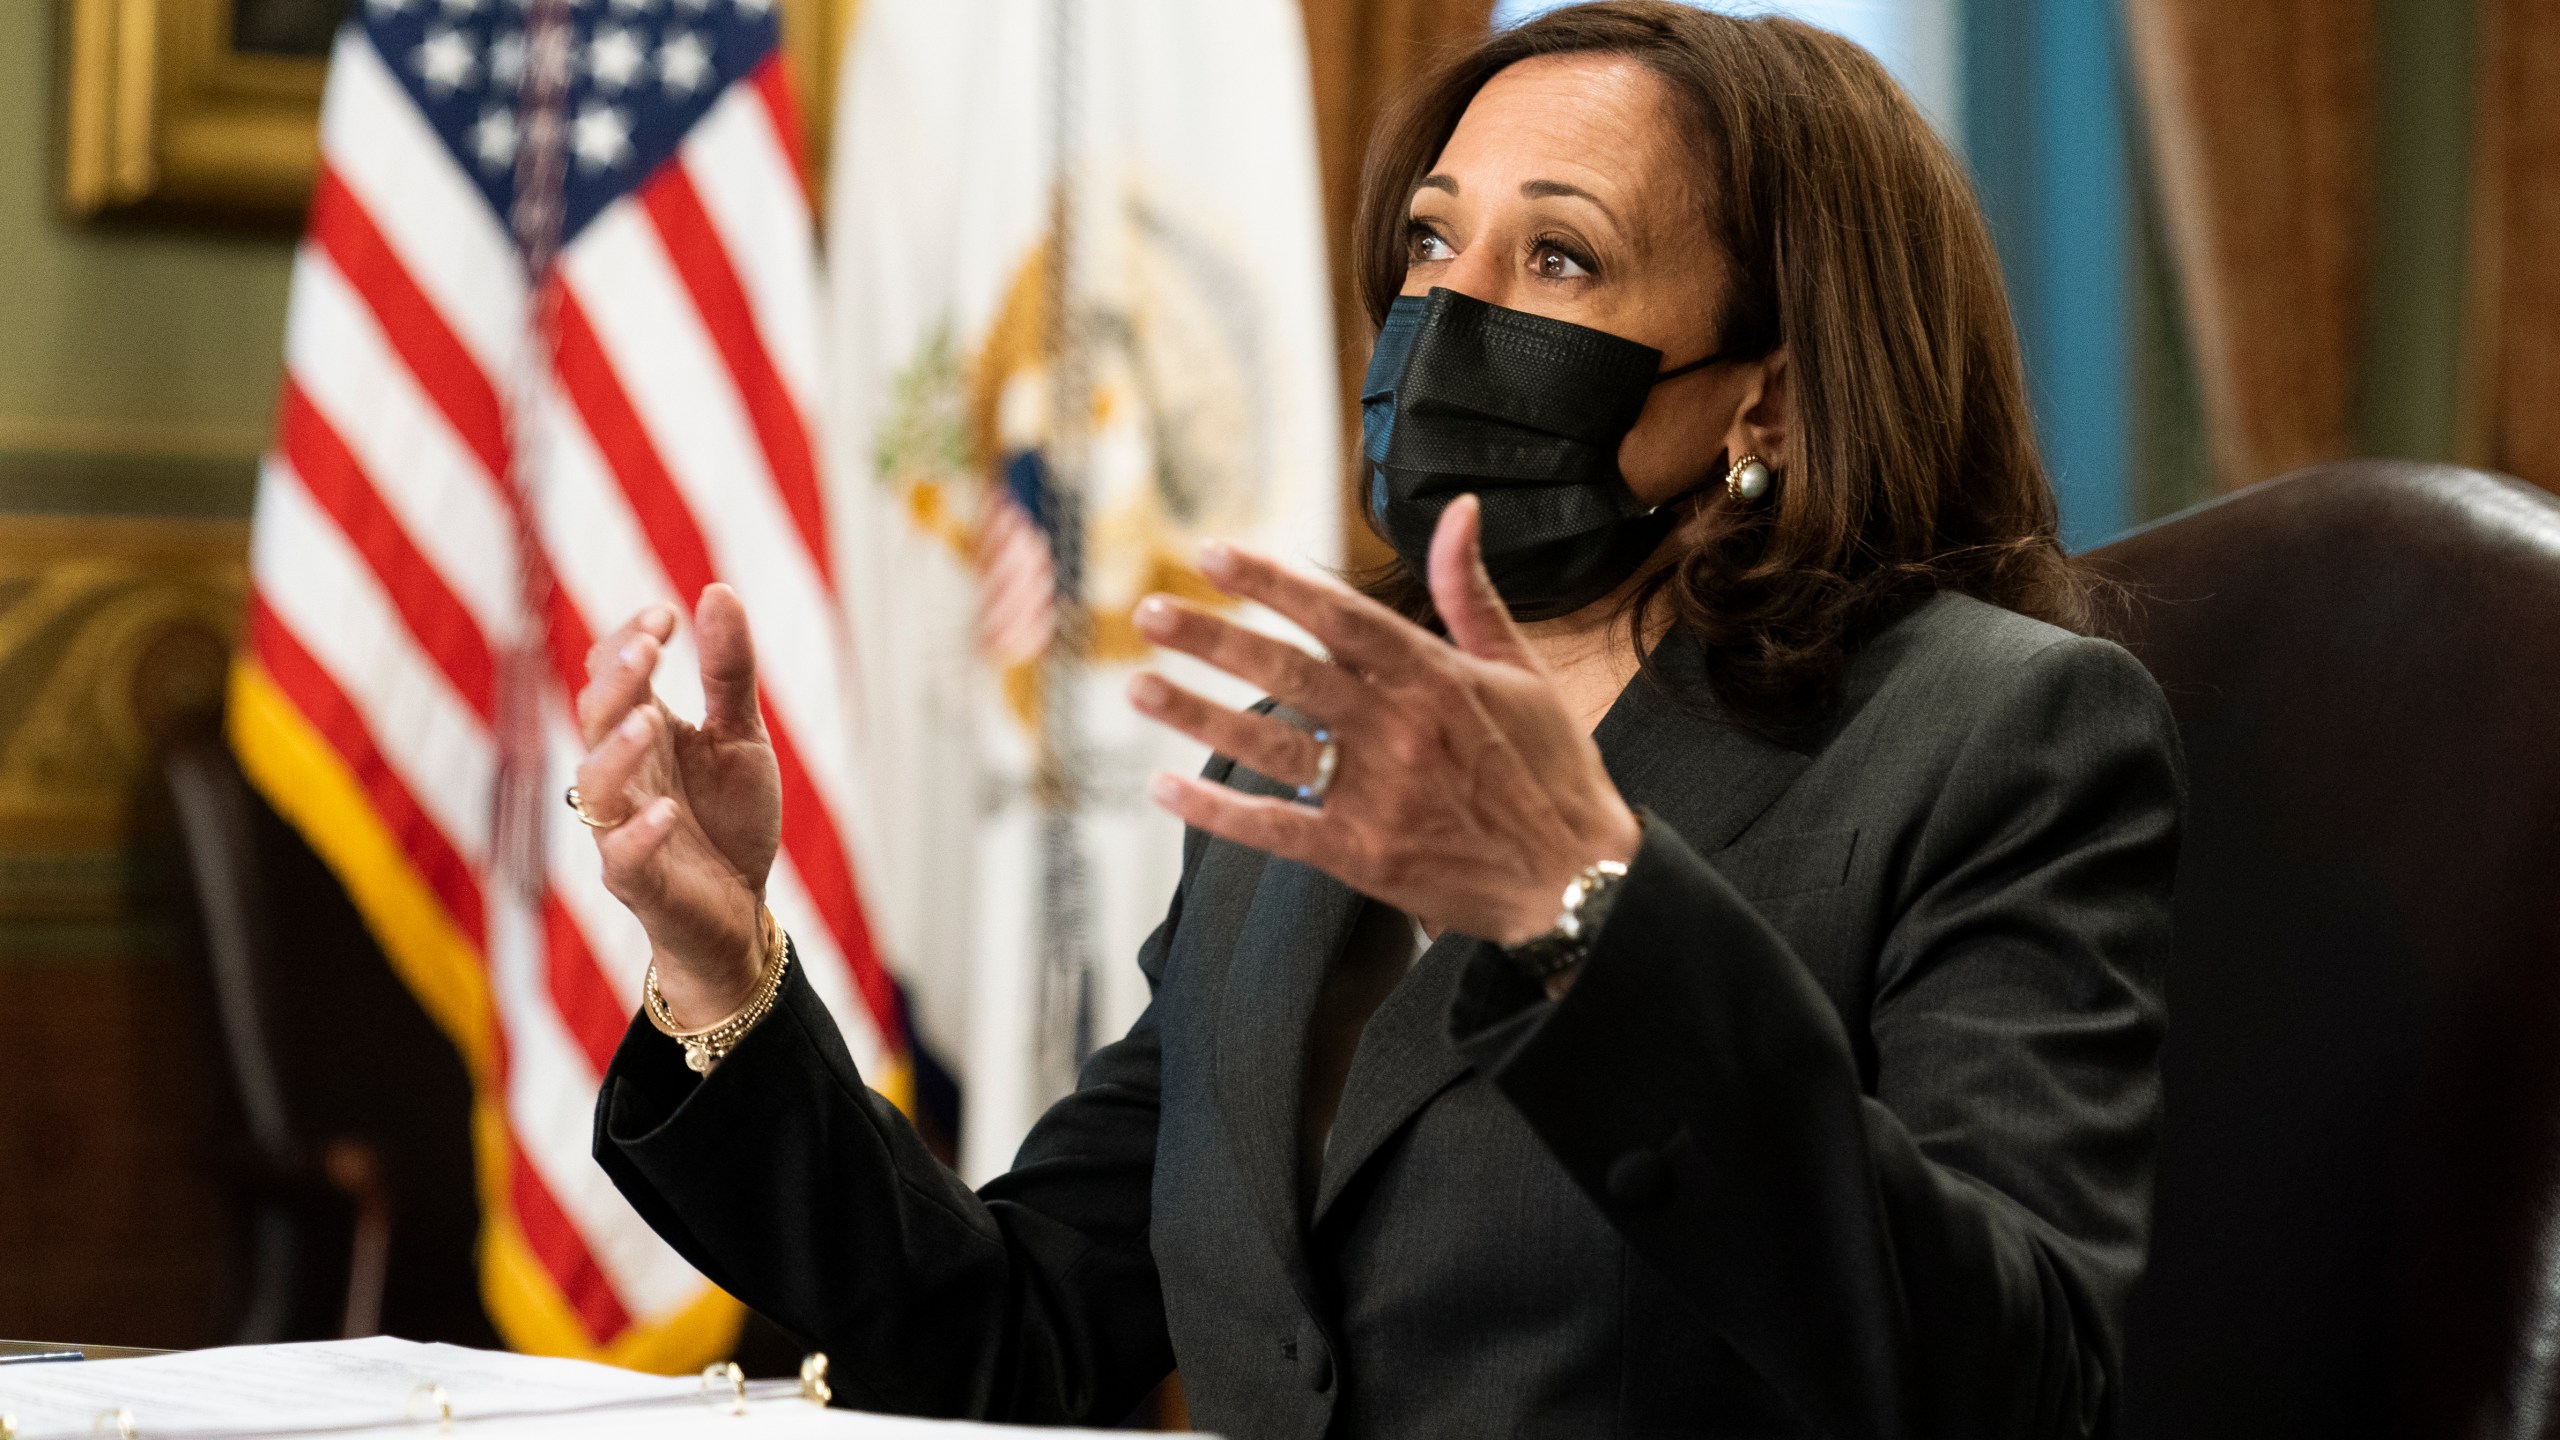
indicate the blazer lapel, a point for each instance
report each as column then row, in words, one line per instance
column 1404, row 1059
column 1705, row 776
column 1299, row 919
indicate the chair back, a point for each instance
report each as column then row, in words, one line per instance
column 2356, row 1232
column 357, row 1206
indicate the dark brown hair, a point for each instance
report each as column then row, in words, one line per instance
column 1851, row 238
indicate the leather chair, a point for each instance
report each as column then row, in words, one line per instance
column 2358, row 1214
column 356, row 1208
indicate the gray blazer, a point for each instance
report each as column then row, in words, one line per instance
column 1844, row 1130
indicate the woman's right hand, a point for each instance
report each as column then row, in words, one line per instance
column 692, row 813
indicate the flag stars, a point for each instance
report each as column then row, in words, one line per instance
column 457, row 9
column 684, row 63
column 754, row 7
column 447, row 61
column 494, row 138
column 506, row 59
column 600, row 136
column 385, row 9
column 634, row 7
column 615, row 58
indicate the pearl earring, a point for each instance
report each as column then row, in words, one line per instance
column 1748, row 480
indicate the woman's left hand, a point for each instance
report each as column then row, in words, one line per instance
column 1465, row 793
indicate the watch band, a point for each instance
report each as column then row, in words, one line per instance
column 1586, row 901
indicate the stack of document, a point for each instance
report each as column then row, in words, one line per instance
column 360, row 1387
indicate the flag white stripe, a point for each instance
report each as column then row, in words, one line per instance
column 602, row 560
column 688, row 402
column 321, row 588
column 447, row 503
column 789, row 900
column 744, row 176
column 550, row 1104
column 434, row 217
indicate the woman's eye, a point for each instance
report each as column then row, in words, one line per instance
column 1424, row 245
column 1555, row 264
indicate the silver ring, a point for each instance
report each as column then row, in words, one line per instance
column 1328, row 756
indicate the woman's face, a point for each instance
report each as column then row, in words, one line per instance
column 1565, row 192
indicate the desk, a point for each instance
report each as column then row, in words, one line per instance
column 93, row 1352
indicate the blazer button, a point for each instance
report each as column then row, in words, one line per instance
column 1639, row 1180
column 1314, row 1357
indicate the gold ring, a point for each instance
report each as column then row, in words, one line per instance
column 578, row 805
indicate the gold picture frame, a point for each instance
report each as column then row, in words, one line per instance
column 164, row 114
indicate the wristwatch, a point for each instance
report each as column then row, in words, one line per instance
column 1586, row 904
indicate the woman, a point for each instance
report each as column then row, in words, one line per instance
column 1822, row 1104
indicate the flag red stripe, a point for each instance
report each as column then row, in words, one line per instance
column 555, row 1241
column 588, row 1007
column 675, row 207
column 415, row 328
column 655, row 502
column 815, row 846
column 314, row 693
column 810, row 835
column 435, row 616
column 774, row 87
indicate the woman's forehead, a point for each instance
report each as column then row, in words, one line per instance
column 1593, row 122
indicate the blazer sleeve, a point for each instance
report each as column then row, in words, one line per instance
column 798, row 1189
column 1943, row 1250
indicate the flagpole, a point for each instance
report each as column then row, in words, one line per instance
column 536, row 217
column 1065, row 1001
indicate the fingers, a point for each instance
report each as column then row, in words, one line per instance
column 728, row 663
column 617, row 680
column 1278, row 667
column 1260, row 743
column 1359, row 631
column 1479, row 623
column 1275, row 827
column 634, row 854
column 604, row 777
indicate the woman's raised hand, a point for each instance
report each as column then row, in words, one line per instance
column 692, row 814
column 1465, row 793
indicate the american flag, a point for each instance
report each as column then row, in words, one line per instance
column 551, row 357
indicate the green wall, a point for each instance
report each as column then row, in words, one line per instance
column 137, row 367
column 2411, row 401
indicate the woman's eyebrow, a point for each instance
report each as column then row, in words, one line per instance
column 1437, row 182
column 1543, row 189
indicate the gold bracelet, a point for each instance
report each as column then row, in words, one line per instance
column 711, row 1044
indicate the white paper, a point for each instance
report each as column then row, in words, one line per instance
column 352, row 1386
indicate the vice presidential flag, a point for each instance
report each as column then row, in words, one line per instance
column 1081, row 324
column 551, row 357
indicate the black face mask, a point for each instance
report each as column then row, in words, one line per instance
column 1526, row 413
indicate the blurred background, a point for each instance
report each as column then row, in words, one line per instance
column 2241, row 236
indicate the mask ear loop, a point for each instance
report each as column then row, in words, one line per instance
column 1712, row 357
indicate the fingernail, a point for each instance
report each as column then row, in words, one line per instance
column 661, row 811
column 1163, row 789
column 1155, row 614
column 634, row 726
column 632, row 650
column 659, row 617
column 1147, row 690
column 1217, row 557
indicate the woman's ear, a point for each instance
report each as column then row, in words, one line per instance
column 1765, row 422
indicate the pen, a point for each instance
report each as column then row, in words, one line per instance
column 40, row 1357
